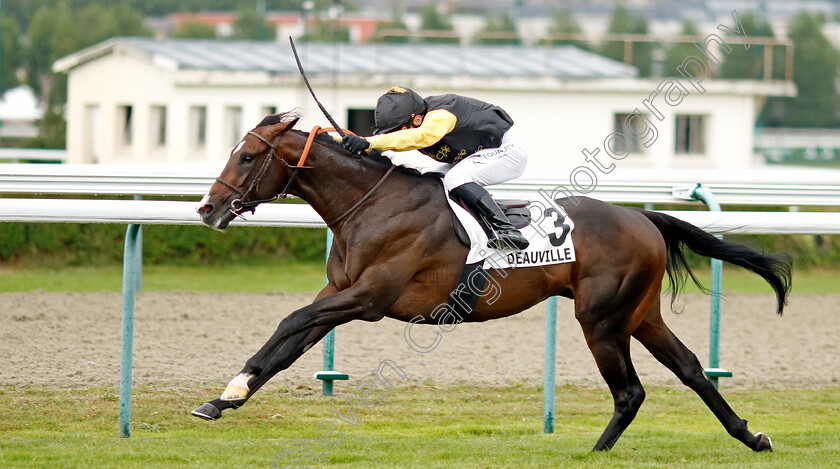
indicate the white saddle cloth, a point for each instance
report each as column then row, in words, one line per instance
column 549, row 235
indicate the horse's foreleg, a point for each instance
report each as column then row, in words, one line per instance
column 295, row 335
column 667, row 348
column 326, row 312
column 290, row 350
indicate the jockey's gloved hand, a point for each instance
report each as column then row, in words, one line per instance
column 354, row 144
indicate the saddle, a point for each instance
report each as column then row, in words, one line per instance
column 515, row 210
column 462, row 300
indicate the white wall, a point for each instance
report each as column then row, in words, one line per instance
column 113, row 80
column 559, row 124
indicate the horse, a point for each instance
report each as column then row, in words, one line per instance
column 395, row 254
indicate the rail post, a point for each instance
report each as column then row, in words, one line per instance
column 129, row 284
column 328, row 374
column 713, row 371
column 549, row 367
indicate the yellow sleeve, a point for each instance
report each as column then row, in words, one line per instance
column 435, row 125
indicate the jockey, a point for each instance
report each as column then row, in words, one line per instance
column 477, row 138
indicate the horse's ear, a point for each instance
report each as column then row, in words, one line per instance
column 279, row 123
column 281, row 127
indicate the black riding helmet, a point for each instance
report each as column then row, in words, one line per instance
column 396, row 108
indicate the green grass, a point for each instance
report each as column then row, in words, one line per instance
column 248, row 277
column 258, row 276
column 411, row 426
column 737, row 280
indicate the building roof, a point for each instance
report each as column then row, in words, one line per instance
column 403, row 59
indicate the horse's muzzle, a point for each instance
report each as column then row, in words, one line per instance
column 210, row 216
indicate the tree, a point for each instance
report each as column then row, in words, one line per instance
column 678, row 51
column 397, row 24
column 24, row 10
column 432, row 21
column 748, row 64
column 12, row 54
column 815, row 64
column 51, row 35
column 52, row 130
column 622, row 22
column 249, row 25
column 195, row 30
column 97, row 23
column 564, row 22
column 58, row 31
column 501, row 24
column 326, row 31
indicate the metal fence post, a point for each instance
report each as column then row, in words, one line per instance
column 129, row 284
column 713, row 371
column 329, row 340
column 549, row 368
column 329, row 362
column 328, row 374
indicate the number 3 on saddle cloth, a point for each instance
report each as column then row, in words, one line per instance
column 543, row 222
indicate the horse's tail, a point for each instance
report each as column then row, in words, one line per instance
column 774, row 268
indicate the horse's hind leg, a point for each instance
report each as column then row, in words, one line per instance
column 606, row 321
column 664, row 345
column 612, row 355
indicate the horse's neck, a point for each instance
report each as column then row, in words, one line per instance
column 335, row 182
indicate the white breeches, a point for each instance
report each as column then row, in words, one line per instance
column 491, row 165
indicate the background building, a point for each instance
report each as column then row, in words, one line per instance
column 133, row 100
column 19, row 110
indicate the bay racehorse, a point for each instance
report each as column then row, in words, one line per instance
column 395, row 255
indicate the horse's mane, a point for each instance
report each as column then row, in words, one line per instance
column 374, row 156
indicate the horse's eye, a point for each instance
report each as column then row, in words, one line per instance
column 246, row 158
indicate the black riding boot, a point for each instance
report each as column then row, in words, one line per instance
column 479, row 201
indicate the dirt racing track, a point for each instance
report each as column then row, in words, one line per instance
column 189, row 338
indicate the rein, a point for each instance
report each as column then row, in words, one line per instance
column 364, row 197
column 237, row 206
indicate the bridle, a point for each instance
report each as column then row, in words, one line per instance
column 239, row 205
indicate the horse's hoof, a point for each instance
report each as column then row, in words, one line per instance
column 207, row 411
column 237, row 389
column 764, row 443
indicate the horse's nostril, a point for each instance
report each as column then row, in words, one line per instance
column 205, row 209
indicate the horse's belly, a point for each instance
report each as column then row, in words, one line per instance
column 501, row 297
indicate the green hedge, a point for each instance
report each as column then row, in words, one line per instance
column 806, row 250
column 58, row 244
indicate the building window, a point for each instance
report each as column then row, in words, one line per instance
column 91, row 134
column 632, row 135
column 233, row 125
column 124, row 122
column 198, row 127
column 360, row 121
column 691, row 135
column 158, row 126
